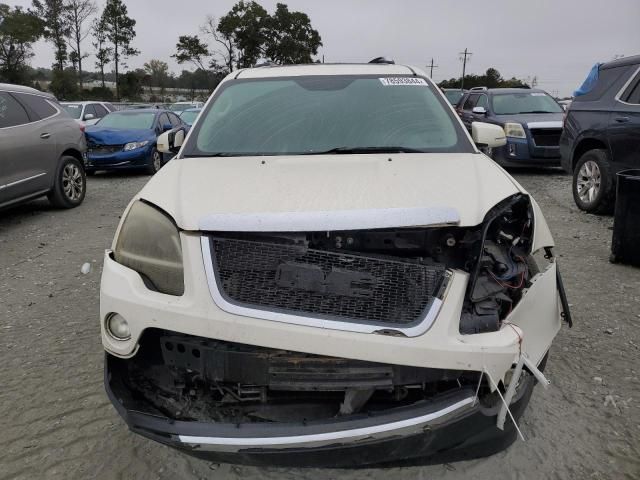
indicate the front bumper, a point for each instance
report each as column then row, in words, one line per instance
column 521, row 152
column 119, row 160
column 453, row 425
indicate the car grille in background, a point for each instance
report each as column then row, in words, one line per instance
column 317, row 283
column 104, row 149
column 546, row 137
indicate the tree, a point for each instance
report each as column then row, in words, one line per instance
column 63, row 84
column 225, row 42
column 18, row 31
column 103, row 52
column 244, row 26
column 290, row 37
column 491, row 79
column 130, row 84
column 79, row 11
column 53, row 14
column 191, row 49
column 158, row 72
column 120, row 31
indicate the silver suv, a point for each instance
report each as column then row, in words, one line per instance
column 41, row 149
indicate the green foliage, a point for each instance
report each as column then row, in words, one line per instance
column 64, row 84
column 53, row 15
column 191, row 49
column 245, row 26
column 130, row 85
column 491, row 79
column 119, row 31
column 102, row 52
column 290, row 37
column 18, row 31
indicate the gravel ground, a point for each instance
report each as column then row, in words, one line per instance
column 56, row 421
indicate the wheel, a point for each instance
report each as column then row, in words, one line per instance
column 156, row 162
column 70, row 185
column 594, row 182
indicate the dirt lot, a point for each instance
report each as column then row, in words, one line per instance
column 56, row 422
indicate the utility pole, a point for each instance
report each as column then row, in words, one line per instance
column 431, row 67
column 463, row 59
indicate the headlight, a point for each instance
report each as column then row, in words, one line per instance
column 134, row 145
column 514, row 130
column 149, row 243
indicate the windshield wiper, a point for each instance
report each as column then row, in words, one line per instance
column 349, row 150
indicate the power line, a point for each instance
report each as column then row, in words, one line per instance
column 431, row 66
column 463, row 58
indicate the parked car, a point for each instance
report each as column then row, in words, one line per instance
column 329, row 273
column 182, row 106
column 87, row 113
column 41, row 149
column 126, row 139
column 189, row 115
column 454, row 95
column 602, row 133
column 531, row 119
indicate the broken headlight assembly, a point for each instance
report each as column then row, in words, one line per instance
column 503, row 266
column 149, row 243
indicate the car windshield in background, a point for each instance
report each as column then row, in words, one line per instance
column 179, row 107
column 128, row 120
column 454, row 96
column 525, row 102
column 189, row 116
column 332, row 114
column 74, row 110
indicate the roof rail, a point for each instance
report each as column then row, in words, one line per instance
column 478, row 88
column 382, row 60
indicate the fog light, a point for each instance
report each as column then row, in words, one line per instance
column 118, row 327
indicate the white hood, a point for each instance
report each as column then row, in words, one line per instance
column 460, row 186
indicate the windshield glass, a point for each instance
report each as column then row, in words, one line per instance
column 74, row 110
column 128, row 120
column 190, row 116
column 307, row 115
column 178, row 107
column 525, row 102
column 454, row 96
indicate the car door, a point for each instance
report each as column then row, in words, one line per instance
column 467, row 110
column 624, row 126
column 29, row 147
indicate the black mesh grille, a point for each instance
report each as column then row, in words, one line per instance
column 546, row 137
column 318, row 283
column 104, row 149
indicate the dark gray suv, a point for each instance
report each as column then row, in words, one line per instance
column 41, row 149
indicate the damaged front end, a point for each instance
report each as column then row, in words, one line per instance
column 239, row 402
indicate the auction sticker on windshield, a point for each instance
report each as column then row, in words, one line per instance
column 394, row 81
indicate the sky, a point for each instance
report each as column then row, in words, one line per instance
column 557, row 41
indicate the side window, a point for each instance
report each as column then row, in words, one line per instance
column 100, row 110
column 89, row 109
column 483, row 101
column 471, row 102
column 175, row 121
column 37, row 105
column 11, row 112
column 633, row 95
column 110, row 107
column 164, row 119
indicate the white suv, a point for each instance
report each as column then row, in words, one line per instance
column 329, row 273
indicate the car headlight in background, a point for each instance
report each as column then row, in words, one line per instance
column 135, row 145
column 149, row 243
column 514, row 130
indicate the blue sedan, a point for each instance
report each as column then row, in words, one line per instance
column 127, row 140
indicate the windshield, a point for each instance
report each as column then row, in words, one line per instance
column 74, row 110
column 525, row 102
column 307, row 115
column 178, row 107
column 454, row 96
column 189, row 116
column 128, row 120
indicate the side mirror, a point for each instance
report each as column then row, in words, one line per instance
column 166, row 127
column 487, row 134
column 171, row 141
column 89, row 116
column 479, row 110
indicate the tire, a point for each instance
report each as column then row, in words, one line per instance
column 156, row 162
column 70, row 184
column 594, row 185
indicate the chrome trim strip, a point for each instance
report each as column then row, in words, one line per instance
column 17, row 182
column 411, row 425
column 228, row 307
column 625, row 86
column 329, row 220
column 549, row 124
